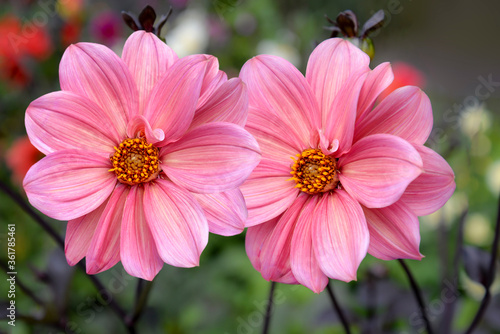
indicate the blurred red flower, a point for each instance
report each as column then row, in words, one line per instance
column 404, row 75
column 20, row 157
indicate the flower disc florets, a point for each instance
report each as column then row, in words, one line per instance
column 314, row 172
column 135, row 161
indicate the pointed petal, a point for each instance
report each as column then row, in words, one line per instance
column 213, row 79
column 229, row 103
column 376, row 82
column 433, row 188
column 406, row 113
column 174, row 98
column 63, row 120
column 275, row 252
column 340, row 120
column 148, row 58
column 177, row 223
column 330, row 67
column 104, row 249
column 79, row 233
column 303, row 261
column 340, row 235
column 94, row 71
column 378, row 169
column 276, row 86
column 267, row 197
column 226, row 212
column 137, row 247
column 69, row 184
column 394, row 232
column 213, row 157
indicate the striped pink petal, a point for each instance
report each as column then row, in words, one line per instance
column 394, row 232
column 330, row 66
column 277, row 87
column 376, row 82
column 340, row 235
column 63, row 120
column 148, row 65
column 104, row 249
column 137, row 247
column 433, row 188
column 378, row 169
column 303, row 261
column 79, row 233
column 173, row 100
column 177, row 223
column 69, row 184
column 96, row 72
column 213, row 79
column 406, row 113
column 213, row 157
column 229, row 103
column 275, row 252
column 226, row 212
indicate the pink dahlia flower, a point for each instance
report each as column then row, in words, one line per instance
column 338, row 177
column 144, row 155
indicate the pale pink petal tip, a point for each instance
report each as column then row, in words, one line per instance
column 139, row 125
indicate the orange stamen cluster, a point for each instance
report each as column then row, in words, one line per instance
column 314, row 172
column 135, row 161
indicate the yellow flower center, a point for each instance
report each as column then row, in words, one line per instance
column 314, row 172
column 135, row 161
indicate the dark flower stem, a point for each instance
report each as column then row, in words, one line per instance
column 23, row 286
column 490, row 278
column 338, row 309
column 418, row 295
column 267, row 319
column 59, row 240
column 141, row 297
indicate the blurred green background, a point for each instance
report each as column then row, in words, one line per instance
column 453, row 45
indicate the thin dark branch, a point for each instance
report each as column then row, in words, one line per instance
column 418, row 295
column 338, row 309
column 490, row 278
column 267, row 320
column 59, row 240
column 23, row 286
column 32, row 213
column 449, row 308
column 141, row 297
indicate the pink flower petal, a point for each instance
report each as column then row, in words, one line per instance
column 104, row 249
column 330, row 67
column 276, row 86
column 394, row 232
column 139, row 125
column 406, row 113
column 340, row 120
column 64, row 120
column 432, row 189
column 213, row 79
column 376, row 82
column 256, row 237
column 378, row 169
column 340, row 235
column 177, row 223
column 174, row 98
column 276, row 139
column 226, row 212
column 96, row 72
column 229, row 103
column 79, row 233
column 267, row 197
column 212, row 158
column 303, row 261
column 69, row 184
column 137, row 246
column 148, row 58
column 275, row 252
